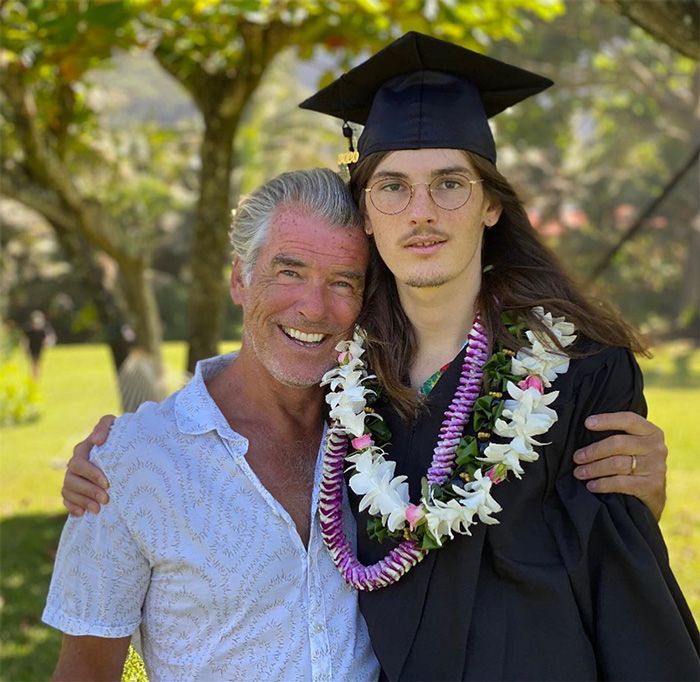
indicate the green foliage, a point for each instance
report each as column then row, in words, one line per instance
column 20, row 400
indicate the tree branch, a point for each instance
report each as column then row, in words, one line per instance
column 674, row 22
column 47, row 169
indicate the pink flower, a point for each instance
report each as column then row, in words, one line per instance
column 495, row 475
column 532, row 382
column 362, row 442
column 343, row 357
column 414, row 513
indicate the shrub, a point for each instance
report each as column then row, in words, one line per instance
column 20, row 400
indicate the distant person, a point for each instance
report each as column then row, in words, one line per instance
column 38, row 334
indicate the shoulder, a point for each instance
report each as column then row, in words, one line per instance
column 604, row 378
column 590, row 359
column 137, row 436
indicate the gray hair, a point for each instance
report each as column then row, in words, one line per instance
column 319, row 190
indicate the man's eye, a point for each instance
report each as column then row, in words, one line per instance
column 450, row 183
column 393, row 187
column 289, row 273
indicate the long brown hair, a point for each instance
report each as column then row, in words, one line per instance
column 520, row 273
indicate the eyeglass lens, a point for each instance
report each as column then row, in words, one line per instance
column 393, row 195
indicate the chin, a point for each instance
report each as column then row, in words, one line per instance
column 300, row 378
column 429, row 279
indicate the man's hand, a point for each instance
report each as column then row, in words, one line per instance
column 85, row 486
column 633, row 462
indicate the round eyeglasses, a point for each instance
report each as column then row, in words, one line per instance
column 393, row 195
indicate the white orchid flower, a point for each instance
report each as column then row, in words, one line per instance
column 381, row 493
column 476, row 496
column 445, row 518
column 563, row 330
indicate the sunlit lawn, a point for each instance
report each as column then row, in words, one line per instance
column 78, row 387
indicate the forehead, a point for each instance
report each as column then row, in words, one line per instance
column 424, row 161
column 298, row 232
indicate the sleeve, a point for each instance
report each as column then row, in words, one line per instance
column 100, row 575
column 630, row 603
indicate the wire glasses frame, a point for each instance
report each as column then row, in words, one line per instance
column 393, row 195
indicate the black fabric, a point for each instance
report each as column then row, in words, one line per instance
column 423, row 93
column 569, row 585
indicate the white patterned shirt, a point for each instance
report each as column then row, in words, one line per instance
column 198, row 555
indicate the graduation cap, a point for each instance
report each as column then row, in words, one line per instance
column 420, row 92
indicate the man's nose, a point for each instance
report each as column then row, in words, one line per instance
column 422, row 209
column 313, row 304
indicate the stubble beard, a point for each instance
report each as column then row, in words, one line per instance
column 426, row 281
column 280, row 371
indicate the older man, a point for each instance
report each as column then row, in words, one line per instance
column 209, row 544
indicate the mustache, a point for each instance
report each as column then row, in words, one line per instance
column 423, row 232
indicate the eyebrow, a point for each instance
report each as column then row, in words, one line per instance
column 281, row 259
column 435, row 173
column 291, row 262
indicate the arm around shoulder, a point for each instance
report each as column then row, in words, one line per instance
column 91, row 658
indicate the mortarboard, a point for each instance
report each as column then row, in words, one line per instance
column 420, row 92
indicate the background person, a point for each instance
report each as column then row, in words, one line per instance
column 38, row 334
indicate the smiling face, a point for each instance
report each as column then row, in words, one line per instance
column 425, row 245
column 304, row 295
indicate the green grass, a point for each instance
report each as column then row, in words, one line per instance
column 78, row 386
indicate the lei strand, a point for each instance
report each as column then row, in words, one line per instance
column 463, row 468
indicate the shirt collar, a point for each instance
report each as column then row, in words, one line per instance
column 195, row 410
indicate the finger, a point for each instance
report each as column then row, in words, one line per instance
column 97, row 436
column 80, row 502
column 619, row 444
column 101, row 431
column 617, row 465
column 627, row 485
column 630, row 422
column 73, row 509
column 76, row 485
column 80, row 468
column 639, row 486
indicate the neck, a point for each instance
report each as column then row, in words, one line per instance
column 441, row 317
column 247, row 394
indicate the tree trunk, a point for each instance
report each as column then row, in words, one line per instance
column 85, row 265
column 210, row 250
column 136, row 281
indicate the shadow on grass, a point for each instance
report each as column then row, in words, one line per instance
column 30, row 648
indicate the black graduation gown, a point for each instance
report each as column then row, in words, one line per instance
column 569, row 585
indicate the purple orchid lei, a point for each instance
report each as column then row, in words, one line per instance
column 444, row 508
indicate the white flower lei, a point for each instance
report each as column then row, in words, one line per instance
column 525, row 415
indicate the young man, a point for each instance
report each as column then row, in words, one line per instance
column 494, row 562
column 210, row 544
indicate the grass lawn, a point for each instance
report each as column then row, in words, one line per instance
column 78, row 386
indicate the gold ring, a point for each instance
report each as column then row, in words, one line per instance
column 633, row 465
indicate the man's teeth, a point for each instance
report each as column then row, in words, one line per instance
column 303, row 336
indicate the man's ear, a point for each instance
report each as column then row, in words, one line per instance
column 238, row 287
column 368, row 225
column 493, row 212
